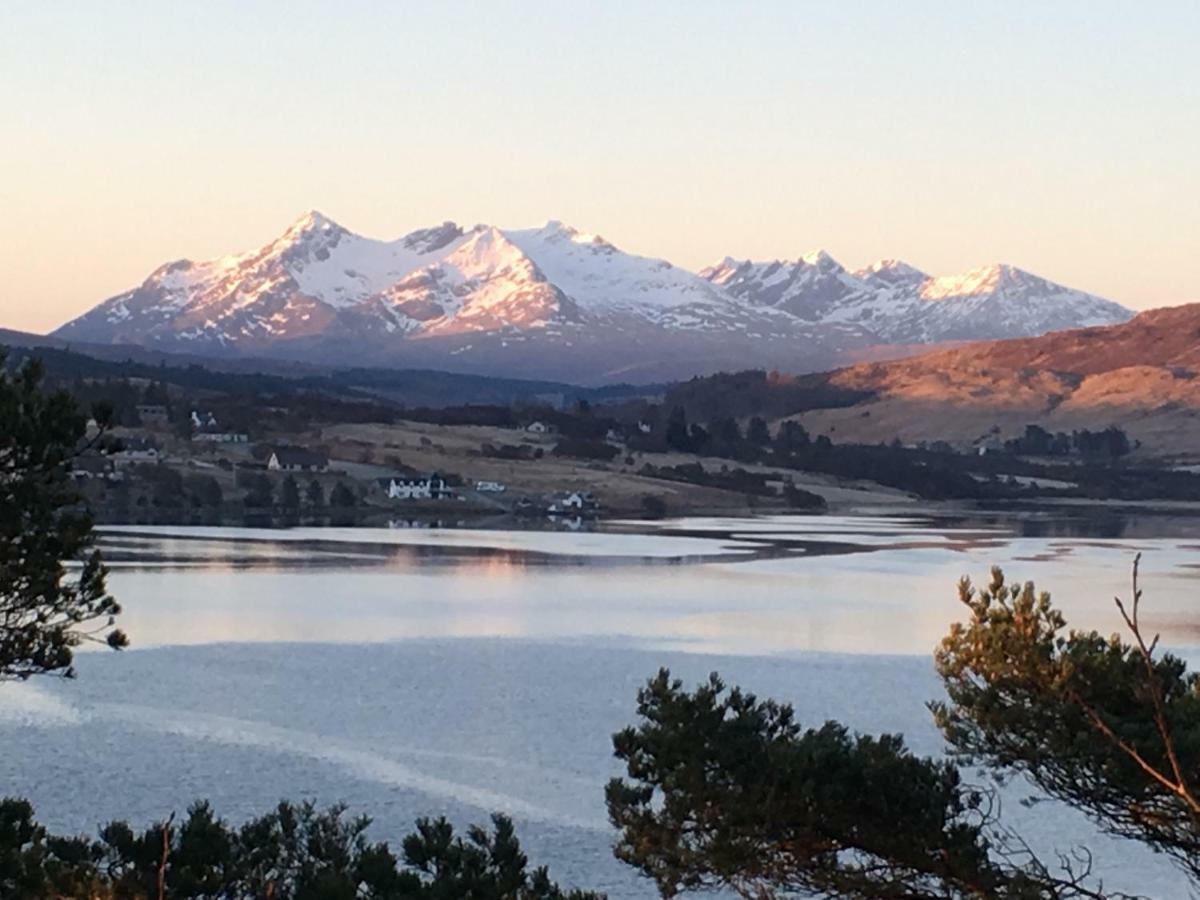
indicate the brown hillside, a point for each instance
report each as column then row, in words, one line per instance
column 1143, row 376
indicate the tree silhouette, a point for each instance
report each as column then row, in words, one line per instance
column 45, row 613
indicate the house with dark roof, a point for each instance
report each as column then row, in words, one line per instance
column 93, row 465
column 297, row 459
column 136, row 450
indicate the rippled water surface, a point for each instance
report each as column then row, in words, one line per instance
column 419, row 672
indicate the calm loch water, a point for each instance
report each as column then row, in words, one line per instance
column 416, row 672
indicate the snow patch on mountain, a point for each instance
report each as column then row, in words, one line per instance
column 900, row 304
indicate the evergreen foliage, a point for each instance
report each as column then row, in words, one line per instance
column 45, row 610
column 726, row 791
column 294, row 852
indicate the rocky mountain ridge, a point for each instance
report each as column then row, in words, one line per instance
column 557, row 302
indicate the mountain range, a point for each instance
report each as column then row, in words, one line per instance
column 554, row 302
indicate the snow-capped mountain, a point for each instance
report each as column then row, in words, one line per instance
column 556, row 302
column 900, row 304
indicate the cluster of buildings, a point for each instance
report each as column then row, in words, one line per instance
column 109, row 466
column 206, row 428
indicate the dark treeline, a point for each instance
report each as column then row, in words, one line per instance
column 771, row 395
column 1111, row 443
column 378, row 388
column 294, row 852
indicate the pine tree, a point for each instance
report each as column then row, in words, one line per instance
column 314, row 494
column 289, row 493
column 44, row 613
column 726, row 791
column 342, row 497
column 758, row 433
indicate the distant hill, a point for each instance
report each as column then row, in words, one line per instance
column 1142, row 375
column 393, row 387
column 559, row 304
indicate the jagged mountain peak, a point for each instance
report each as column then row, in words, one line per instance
column 982, row 280
column 487, row 245
column 890, row 271
column 723, row 271
column 312, row 222
column 428, row 240
column 556, row 231
column 822, row 259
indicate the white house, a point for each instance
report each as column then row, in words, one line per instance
column 432, row 487
column 489, row 487
column 539, row 428
column 645, row 427
column 576, row 501
column 204, row 420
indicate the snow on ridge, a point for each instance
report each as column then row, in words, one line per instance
column 982, row 280
column 444, row 279
column 596, row 274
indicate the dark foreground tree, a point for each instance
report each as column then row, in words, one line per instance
column 45, row 610
column 727, row 791
column 1104, row 725
column 291, row 853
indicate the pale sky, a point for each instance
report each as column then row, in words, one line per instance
column 1063, row 137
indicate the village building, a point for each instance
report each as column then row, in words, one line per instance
column 490, row 487
column 93, row 465
column 430, row 487
column 135, row 451
column 575, row 502
column 204, row 421
column 297, row 459
column 539, row 428
column 989, row 445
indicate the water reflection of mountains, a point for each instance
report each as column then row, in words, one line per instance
column 1096, row 522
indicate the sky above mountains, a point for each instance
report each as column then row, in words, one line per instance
column 1057, row 136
